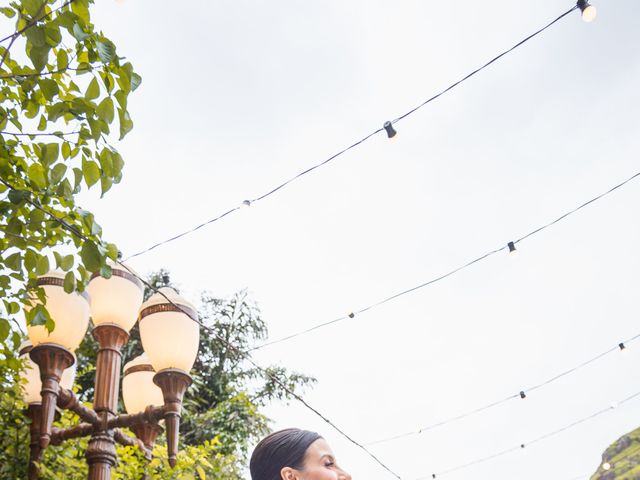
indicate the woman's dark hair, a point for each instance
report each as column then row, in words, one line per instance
column 285, row 448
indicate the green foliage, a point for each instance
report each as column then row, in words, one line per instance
column 622, row 459
column 14, row 434
column 62, row 85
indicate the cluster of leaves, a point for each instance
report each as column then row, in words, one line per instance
column 199, row 462
column 61, row 80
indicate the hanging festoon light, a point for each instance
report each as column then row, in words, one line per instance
column 589, row 12
column 52, row 350
column 512, row 247
column 170, row 336
column 391, row 132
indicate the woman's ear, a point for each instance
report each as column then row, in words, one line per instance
column 288, row 473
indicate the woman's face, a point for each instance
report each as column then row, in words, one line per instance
column 320, row 463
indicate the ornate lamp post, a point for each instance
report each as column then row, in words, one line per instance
column 169, row 333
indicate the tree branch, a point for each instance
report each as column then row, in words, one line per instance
column 44, row 134
column 17, row 33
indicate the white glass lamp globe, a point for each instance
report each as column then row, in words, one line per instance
column 31, row 374
column 138, row 389
column 169, row 331
column 115, row 300
column 589, row 13
column 69, row 311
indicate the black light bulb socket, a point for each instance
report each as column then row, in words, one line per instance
column 622, row 346
column 523, row 395
column 166, row 279
column 391, row 132
column 512, row 247
column 582, row 5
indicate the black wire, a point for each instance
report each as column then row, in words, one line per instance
column 531, row 442
column 503, row 400
column 353, row 145
column 485, row 65
column 448, row 274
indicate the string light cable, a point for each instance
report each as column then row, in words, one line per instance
column 531, row 442
column 510, row 247
column 246, row 355
column 520, row 395
column 387, row 127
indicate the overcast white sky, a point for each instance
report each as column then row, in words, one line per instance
column 239, row 95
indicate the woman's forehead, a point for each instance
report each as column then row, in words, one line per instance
column 319, row 449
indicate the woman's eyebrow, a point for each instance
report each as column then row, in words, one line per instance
column 328, row 455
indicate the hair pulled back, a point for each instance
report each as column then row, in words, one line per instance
column 278, row 450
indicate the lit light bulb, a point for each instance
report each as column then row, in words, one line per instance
column 606, row 466
column 589, row 12
column 391, row 132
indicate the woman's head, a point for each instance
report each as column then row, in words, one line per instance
column 295, row 454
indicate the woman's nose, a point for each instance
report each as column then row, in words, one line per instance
column 344, row 475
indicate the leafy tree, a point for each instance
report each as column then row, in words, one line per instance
column 62, row 88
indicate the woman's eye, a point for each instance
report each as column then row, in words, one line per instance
column 329, row 464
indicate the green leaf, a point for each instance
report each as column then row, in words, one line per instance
column 30, row 260
column 106, row 50
column 66, row 150
column 105, row 185
column 42, row 124
column 201, row 473
column 79, row 33
column 57, row 172
column 14, row 261
column 117, row 163
column 106, row 162
column 69, row 282
column 49, row 88
column 38, row 315
column 126, row 124
column 63, row 59
column 81, row 9
column 105, row 109
column 5, row 329
column 90, row 171
column 32, row 7
column 18, row 196
column 106, row 271
column 8, row 12
column 66, row 262
column 42, row 266
column 136, row 80
column 37, row 176
column 39, row 56
column 90, row 256
column 36, row 36
column 52, row 34
column 49, row 153
column 112, row 251
column 93, row 90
